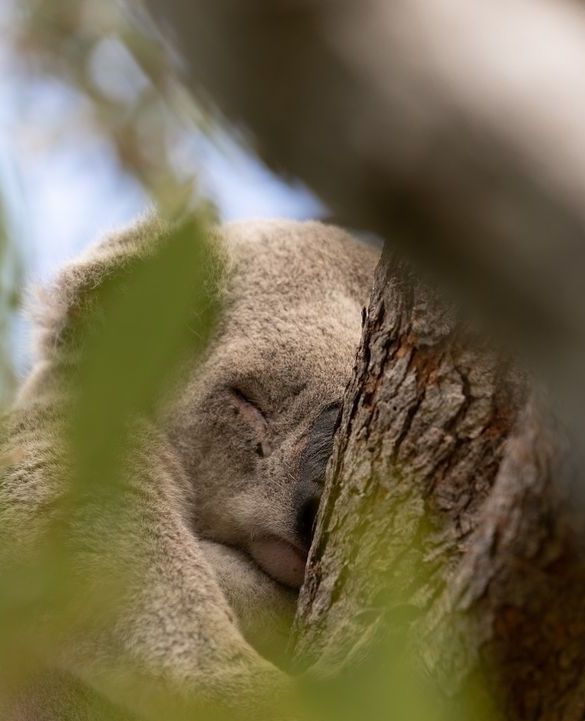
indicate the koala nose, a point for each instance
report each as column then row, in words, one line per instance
column 306, row 517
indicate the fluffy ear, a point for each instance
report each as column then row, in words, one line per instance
column 59, row 307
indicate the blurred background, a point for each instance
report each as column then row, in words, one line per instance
column 88, row 143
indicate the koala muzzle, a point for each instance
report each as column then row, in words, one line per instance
column 284, row 559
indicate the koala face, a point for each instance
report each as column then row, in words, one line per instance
column 254, row 426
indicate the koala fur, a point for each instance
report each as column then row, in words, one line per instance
column 229, row 480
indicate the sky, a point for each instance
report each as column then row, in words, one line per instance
column 62, row 186
column 65, row 193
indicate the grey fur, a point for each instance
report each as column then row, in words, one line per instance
column 223, row 472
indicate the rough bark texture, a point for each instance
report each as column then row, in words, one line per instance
column 516, row 605
column 432, row 513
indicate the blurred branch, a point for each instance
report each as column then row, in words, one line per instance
column 126, row 82
column 454, row 127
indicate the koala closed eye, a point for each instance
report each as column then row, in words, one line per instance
column 251, row 413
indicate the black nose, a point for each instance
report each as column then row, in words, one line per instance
column 306, row 517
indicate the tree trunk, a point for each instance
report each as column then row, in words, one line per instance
column 445, row 507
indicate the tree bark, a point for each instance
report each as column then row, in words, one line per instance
column 445, row 505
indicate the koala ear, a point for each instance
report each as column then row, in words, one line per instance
column 57, row 309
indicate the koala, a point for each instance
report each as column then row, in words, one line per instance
column 226, row 488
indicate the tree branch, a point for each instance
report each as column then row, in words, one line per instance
column 452, row 126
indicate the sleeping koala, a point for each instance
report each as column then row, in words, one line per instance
column 228, row 489
column 258, row 416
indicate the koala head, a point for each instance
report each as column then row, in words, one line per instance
column 254, row 427
column 253, row 420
